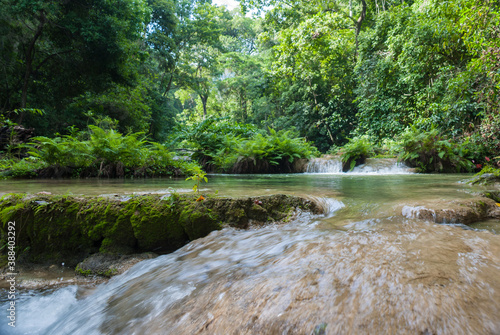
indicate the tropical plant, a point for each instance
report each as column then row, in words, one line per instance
column 273, row 152
column 100, row 152
column 197, row 176
column 209, row 137
column 430, row 151
column 356, row 151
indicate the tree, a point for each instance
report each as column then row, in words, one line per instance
column 64, row 49
column 409, row 67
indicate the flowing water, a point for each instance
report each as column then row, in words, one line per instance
column 333, row 164
column 362, row 268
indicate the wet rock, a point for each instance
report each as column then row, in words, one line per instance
column 14, row 135
column 495, row 196
column 346, row 166
column 64, row 228
column 484, row 179
column 249, row 165
column 458, row 211
column 300, row 165
column 108, row 265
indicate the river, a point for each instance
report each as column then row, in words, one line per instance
column 362, row 268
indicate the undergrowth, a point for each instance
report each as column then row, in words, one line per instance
column 97, row 152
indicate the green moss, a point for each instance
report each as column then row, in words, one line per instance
column 493, row 195
column 110, row 272
column 64, row 227
column 197, row 219
column 236, row 215
column 155, row 224
column 258, row 213
column 82, row 272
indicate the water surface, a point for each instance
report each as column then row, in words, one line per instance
column 360, row 269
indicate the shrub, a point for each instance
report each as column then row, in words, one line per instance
column 219, row 144
column 99, row 153
column 26, row 168
column 356, row 151
column 211, row 137
column 270, row 153
column 430, row 151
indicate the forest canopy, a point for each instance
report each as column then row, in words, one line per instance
column 329, row 72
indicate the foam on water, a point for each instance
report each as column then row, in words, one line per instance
column 35, row 311
column 373, row 166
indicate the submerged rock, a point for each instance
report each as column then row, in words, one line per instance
column 458, row 211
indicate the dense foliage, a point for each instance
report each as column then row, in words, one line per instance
column 224, row 146
column 98, row 153
column 229, row 87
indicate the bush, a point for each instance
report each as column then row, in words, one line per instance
column 99, row 153
column 270, row 153
column 25, row 168
column 211, row 138
column 221, row 145
column 430, row 151
column 356, row 151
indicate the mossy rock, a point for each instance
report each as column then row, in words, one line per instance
column 493, row 195
column 198, row 220
column 65, row 228
column 48, row 227
column 346, row 166
column 465, row 211
column 155, row 224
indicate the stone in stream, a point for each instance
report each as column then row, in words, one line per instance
column 458, row 211
column 108, row 265
column 485, row 179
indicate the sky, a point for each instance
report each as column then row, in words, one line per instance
column 229, row 3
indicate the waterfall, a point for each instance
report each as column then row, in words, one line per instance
column 327, row 164
column 382, row 166
column 333, row 164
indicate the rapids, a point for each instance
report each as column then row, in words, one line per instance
column 362, row 268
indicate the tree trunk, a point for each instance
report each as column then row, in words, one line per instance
column 243, row 106
column 359, row 23
column 30, row 55
column 204, row 99
column 169, row 86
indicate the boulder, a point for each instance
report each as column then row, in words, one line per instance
column 465, row 211
column 54, row 228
